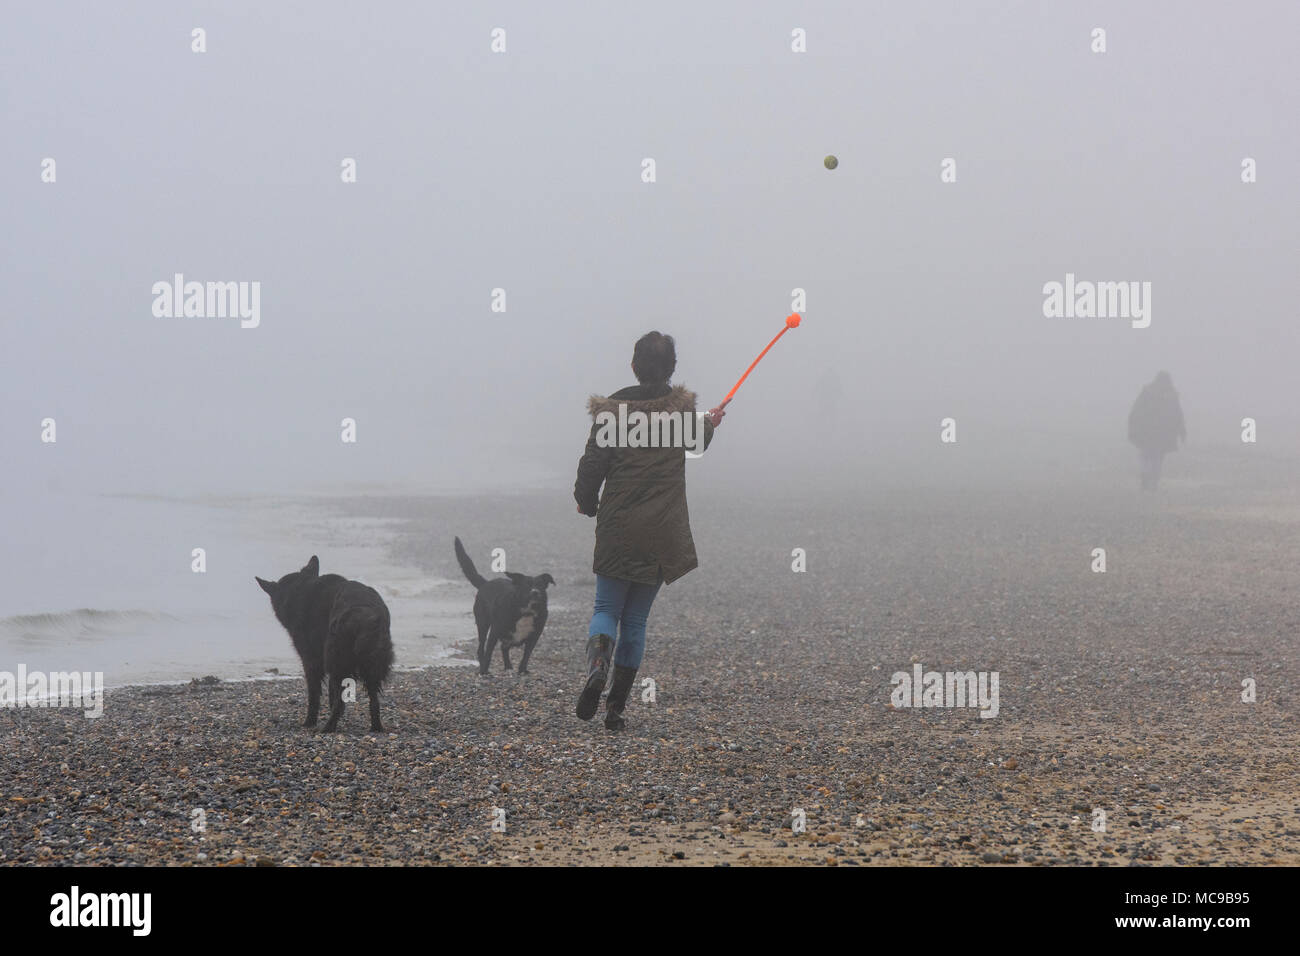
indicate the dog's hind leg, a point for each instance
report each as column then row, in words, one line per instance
column 483, row 621
column 336, row 704
column 372, row 689
column 315, row 677
column 505, row 654
column 485, row 660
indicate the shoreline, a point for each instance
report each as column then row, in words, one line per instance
column 209, row 679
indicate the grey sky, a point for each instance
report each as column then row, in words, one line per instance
column 522, row 170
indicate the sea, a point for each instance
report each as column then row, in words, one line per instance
column 156, row 589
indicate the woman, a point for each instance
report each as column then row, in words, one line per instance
column 643, row 531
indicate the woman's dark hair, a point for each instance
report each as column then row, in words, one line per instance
column 654, row 359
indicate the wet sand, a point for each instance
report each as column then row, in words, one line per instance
column 1119, row 691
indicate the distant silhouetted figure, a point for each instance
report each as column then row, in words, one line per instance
column 1156, row 426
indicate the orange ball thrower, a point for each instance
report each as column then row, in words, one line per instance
column 791, row 322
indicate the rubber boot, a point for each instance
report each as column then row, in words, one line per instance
column 600, row 648
column 624, row 678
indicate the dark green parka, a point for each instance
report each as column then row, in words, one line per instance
column 643, row 529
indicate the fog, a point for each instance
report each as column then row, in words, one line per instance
column 522, row 171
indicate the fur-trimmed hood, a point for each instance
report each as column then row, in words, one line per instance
column 678, row 399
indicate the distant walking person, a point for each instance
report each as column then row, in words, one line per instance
column 1155, row 426
column 643, row 531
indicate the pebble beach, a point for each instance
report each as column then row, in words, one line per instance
column 767, row 735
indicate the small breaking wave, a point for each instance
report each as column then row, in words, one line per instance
column 81, row 624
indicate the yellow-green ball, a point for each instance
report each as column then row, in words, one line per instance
column 831, row 162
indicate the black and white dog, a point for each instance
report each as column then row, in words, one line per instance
column 509, row 610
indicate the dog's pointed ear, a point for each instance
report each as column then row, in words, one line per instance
column 547, row 580
column 312, row 567
column 267, row 586
column 517, row 578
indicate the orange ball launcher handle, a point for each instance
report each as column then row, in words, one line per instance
column 791, row 322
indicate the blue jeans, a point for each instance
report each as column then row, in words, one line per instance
column 622, row 609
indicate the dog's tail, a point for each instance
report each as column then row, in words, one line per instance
column 467, row 566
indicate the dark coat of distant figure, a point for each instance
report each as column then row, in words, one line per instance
column 643, row 527
column 1155, row 426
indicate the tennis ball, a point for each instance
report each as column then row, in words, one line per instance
column 831, row 162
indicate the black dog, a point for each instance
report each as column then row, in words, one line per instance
column 511, row 610
column 339, row 628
